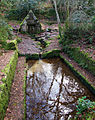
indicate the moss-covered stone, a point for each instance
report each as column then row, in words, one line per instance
column 12, row 45
column 36, row 56
column 79, row 75
column 81, row 58
column 50, row 54
column 30, row 56
column 7, row 82
column 18, row 39
column 30, row 24
column 48, row 43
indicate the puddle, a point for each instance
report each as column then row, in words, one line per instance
column 52, row 90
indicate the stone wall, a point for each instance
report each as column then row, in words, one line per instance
column 30, row 24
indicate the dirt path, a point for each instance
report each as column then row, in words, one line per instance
column 15, row 110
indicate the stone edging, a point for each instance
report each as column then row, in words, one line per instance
column 49, row 54
column 81, row 58
column 79, row 75
column 7, row 82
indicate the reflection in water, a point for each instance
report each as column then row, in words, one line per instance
column 52, row 91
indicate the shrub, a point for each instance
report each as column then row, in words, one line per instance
column 22, row 9
column 85, row 108
column 93, row 21
column 51, row 13
column 79, row 16
column 90, row 10
column 5, row 32
column 74, row 33
column 79, row 27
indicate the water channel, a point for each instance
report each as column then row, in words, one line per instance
column 52, row 90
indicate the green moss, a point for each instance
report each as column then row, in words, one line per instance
column 38, row 43
column 30, row 56
column 50, row 54
column 58, row 37
column 7, row 82
column 51, row 38
column 47, row 43
column 18, row 39
column 12, row 45
column 91, row 116
column 80, row 76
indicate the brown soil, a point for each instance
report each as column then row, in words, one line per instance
column 15, row 110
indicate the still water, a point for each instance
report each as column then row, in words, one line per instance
column 52, row 90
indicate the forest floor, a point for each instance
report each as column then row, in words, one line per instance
column 87, row 48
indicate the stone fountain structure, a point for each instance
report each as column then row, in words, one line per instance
column 30, row 24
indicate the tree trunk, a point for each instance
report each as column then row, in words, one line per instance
column 58, row 19
column 57, row 15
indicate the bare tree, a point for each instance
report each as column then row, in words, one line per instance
column 56, row 10
column 58, row 18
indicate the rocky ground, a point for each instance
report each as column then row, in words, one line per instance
column 30, row 45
